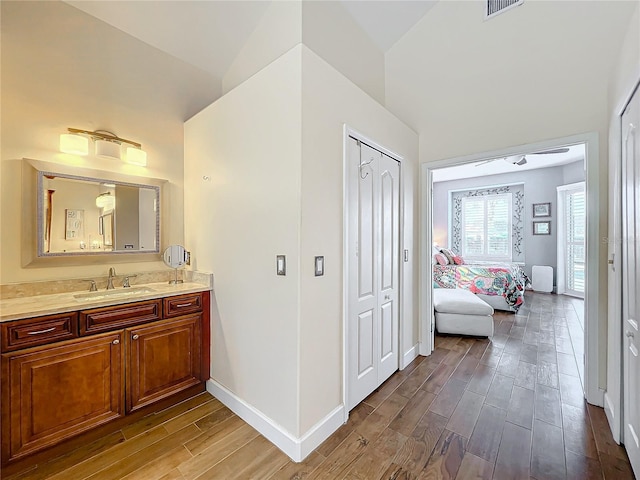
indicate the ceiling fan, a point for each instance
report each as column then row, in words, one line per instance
column 522, row 159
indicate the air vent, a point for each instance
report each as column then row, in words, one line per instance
column 496, row 7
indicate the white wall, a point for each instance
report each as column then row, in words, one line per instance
column 92, row 76
column 535, row 73
column 624, row 78
column 273, row 148
column 329, row 101
column 249, row 143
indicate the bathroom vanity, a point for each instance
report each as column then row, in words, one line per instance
column 94, row 361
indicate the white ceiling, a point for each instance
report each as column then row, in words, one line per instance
column 499, row 165
column 386, row 22
column 209, row 34
column 206, row 34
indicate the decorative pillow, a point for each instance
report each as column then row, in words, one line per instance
column 449, row 254
column 441, row 259
column 458, row 260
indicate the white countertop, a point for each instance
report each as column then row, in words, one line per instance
column 27, row 307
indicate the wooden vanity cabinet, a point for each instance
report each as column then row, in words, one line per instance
column 56, row 391
column 38, row 331
column 162, row 358
column 53, row 392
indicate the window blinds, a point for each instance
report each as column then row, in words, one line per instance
column 576, row 223
column 486, row 227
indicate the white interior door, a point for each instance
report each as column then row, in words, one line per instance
column 373, row 264
column 631, row 279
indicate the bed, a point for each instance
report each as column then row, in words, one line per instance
column 501, row 285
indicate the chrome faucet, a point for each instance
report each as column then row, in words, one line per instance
column 112, row 274
column 125, row 282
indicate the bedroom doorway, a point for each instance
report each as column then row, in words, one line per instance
column 543, row 226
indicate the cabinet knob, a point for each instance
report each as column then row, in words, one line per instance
column 116, row 341
column 135, row 337
column 630, row 334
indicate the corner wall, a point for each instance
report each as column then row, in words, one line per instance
column 247, row 211
column 272, row 152
column 329, row 101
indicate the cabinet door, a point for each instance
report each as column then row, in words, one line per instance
column 163, row 359
column 51, row 393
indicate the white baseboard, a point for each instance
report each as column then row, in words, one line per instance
column 409, row 357
column 296, row 448
column 610, row 412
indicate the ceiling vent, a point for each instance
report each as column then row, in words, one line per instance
column 496, row 7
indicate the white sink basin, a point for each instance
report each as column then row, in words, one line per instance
column 121, row 292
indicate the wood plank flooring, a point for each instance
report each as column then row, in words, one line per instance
column 506, row 408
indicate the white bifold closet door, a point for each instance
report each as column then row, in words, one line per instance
column 372, row 269
column 631, row 278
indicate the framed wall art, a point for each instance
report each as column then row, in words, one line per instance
column 542, row 228
column 542, row 209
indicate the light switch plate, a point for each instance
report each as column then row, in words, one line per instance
column 281, row 265
column 319, row 266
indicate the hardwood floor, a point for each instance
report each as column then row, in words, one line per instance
column 506, row 408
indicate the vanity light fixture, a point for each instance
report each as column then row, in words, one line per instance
column 106, row 201
column 108, row 144
column 74, row 144
column 136, row 156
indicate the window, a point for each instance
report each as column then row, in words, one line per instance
column 486, row 227
column 572, row 237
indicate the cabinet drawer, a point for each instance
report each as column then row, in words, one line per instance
column 180, row 305
column 38, row 331
column 110, row 318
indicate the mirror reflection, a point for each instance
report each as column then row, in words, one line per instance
column 81, row 215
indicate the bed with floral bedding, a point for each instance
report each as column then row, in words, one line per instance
column 501, row 285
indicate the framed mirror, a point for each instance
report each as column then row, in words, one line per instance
column 82, row 215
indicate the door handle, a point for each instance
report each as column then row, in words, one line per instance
column 42, row 331
column 630, row 334
column 387, row 297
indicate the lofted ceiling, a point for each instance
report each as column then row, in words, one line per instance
column 209, row 34
column 204, row 34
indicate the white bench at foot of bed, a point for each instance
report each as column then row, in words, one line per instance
column 460, row 311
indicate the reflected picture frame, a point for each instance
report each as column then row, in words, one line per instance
column 542, row 209
column 542, row 228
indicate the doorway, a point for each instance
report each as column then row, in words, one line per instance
column 372, row 267
column 592, row 302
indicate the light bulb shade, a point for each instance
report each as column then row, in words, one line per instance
column 74, row 144
column 107, row 149
column 106, row 201
column 136, row 156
